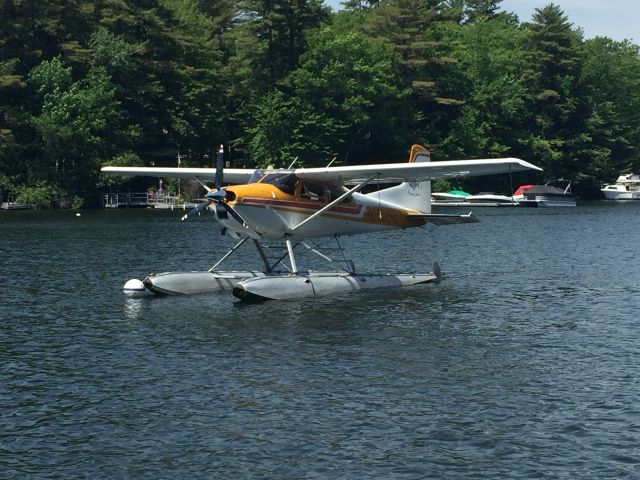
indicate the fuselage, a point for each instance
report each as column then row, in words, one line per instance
column 274, row 207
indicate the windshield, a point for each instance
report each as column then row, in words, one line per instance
column 282, row 181
column 257, row 175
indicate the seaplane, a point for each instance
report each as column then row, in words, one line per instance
column 297, row 205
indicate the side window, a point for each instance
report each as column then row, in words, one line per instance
column 314, row 191
column 336, row 192
column 288, row 185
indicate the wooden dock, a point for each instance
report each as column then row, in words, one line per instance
column 145, row 200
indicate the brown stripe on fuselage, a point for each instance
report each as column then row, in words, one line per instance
column 310, row 205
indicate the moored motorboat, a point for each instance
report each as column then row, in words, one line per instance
column 627, row 187
column 546, row 195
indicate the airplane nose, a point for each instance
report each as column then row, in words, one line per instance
column 216, row 195
column 221, row 195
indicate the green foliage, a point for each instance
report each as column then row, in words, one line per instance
column 76, row 202
column 490, row 58
column 41, row 195
column 80, row 123
column 113, row 53
column 127, row 159
column 554, row 70
column 7, row 185
column 441, row 185
column 50, row 77
column 86, row 83
column 609, row 79
column 345, row 94
column 288, row 129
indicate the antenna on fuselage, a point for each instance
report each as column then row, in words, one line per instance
column 217, row 180
column 292, row 163
column 332, row 160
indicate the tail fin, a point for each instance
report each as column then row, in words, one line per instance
column 411, row 195
column 419, row 154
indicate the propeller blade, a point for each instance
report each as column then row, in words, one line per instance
column 198, row 208
column 213, row 195
column 217, row 181
column 232, row 211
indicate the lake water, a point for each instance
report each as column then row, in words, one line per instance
column 524, row 362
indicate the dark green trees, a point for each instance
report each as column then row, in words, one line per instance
column 84, row 83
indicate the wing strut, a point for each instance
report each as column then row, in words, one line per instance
column 337, row 200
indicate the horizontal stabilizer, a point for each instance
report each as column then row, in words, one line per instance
column 443, row 219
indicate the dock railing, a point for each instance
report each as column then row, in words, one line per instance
column 152, row 199
column 125, row 200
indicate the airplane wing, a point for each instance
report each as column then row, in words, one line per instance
column 382, row 173
column 231, row 175
column 416, row 172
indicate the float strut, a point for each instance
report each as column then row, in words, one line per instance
column 229, row 253
column 262, row 255
column 294, row 267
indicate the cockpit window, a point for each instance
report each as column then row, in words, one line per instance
column 336, row 192
column 257, row 175
column 315, row 191
column 285, row 182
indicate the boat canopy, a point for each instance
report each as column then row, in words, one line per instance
column 460, row 193
column 523, row 188
column 543, row 190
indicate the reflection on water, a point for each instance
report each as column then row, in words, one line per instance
column 133, row 308
column 520, row 363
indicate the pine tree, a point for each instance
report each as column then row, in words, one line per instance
column 552, row 78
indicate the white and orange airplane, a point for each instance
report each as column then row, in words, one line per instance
column 305, row 203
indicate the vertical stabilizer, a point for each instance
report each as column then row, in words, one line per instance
column 411, row 195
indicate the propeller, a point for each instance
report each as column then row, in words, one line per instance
column 232, row 211
column 195, row 211
column 216, row 195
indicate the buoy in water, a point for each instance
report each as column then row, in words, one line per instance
column 134, row 288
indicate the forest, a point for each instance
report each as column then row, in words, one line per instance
column 87, row 83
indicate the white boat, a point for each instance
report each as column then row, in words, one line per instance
column 458, row 198
column 627, row 187
column 13, row 206
column 453, row 197
column 489, row 199
column 546, row 195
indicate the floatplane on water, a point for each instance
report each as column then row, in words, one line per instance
column 296, row 205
